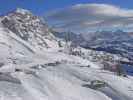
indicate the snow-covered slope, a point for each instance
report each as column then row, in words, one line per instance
column 12, row 48
column 63, row 81
column 30, row 70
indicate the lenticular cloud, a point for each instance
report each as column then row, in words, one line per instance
column 91, row 16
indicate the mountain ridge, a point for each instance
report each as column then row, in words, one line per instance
column 108, row 41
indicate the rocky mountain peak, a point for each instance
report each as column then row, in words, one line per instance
column 28, row 27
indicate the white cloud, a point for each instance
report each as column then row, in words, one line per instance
column 85, row 17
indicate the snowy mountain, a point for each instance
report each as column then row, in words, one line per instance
column 117, row 42
column 29, row 28
column 34, row 67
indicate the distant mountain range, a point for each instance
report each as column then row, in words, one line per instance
column 115, row 42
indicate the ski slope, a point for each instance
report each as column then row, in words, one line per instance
column 62, row 81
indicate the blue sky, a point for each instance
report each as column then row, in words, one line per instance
column 39, row 7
